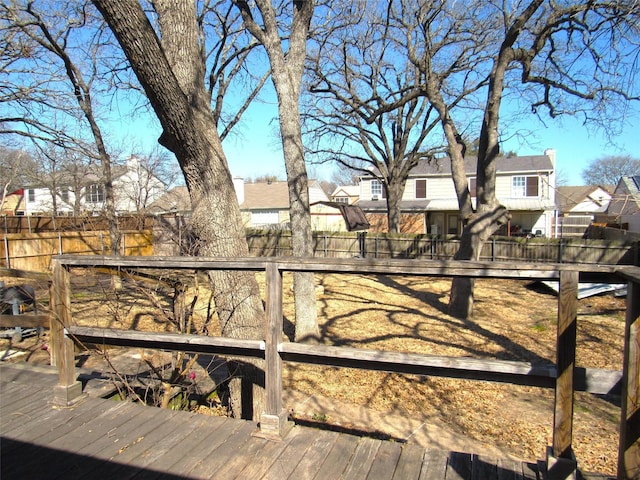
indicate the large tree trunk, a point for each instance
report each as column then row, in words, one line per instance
column 395, row 188
column 172, row 76
column 286, row 73
column 476, row 231
column 300, row 213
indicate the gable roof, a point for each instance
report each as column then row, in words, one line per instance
column 567, row 198
column 266, row 195
column 257, row 196
column 504, row 165
column 626, row 198
column 275, row 195
column 346, row 190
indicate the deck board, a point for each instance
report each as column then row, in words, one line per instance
column 434, row 466
column 362, row 459
column 99, row 438
column 338, row 458
column 410, row 462
column 288, row 459
column 312, row 459
column 384, row 464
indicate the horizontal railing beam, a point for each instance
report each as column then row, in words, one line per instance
column 27, row 321
column 167, row 341
column 433, row 268
column 597, row 381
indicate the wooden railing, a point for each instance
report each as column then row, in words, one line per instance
column 563, row 376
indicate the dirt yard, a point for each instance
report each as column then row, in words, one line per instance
column 515, row 320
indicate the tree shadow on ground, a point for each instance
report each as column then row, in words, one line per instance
column 510, row 350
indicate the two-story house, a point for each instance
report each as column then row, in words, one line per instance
column 524, row 184
column 135, row 188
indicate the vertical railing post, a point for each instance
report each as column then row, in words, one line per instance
column 69, row 389
column 629, row 449
column 273, row 421
column 561, row 463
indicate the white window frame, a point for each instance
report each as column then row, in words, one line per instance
column 519, row 186
column 95, row 193
column 376, row 188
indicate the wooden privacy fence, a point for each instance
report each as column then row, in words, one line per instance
column 563, row 376
column 378, row 245
column 33, row 251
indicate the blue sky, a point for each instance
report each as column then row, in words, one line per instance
column 576, row 145
column 254, row 150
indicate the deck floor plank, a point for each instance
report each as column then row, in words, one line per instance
column 52, row 423
column 98, row 438
column 151, row 461
column 120, row 441
column 15, row 394
column 204, row 450
column 338, row 457
column 191, row 448
column 410, row 462
column 385, row 462
column 483, row 467
column 435, row 465
column 228, row 448
column 243, row 457
column 265, row 458
column 289, row 458
column 308, row 464
column 362, row 459
column 459, row 467
column 71, row 436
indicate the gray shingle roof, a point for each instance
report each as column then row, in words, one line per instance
column 529, row 163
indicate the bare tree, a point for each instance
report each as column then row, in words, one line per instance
column 355, row 72
column 286, row 58
column 608, row 170
column 170, row 66
column 14, row 163
column 55, row 68
column 553, row 57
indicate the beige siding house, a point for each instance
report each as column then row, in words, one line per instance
column 525, row 185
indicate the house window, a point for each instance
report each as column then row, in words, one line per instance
column 377, row 189
column 525, row 186
column 31, row 195
column 64, row 195
column 473, row 187
column 341, row 200
column 95, row 193
column 421, row 188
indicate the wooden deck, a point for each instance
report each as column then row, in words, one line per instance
column 105, row 439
